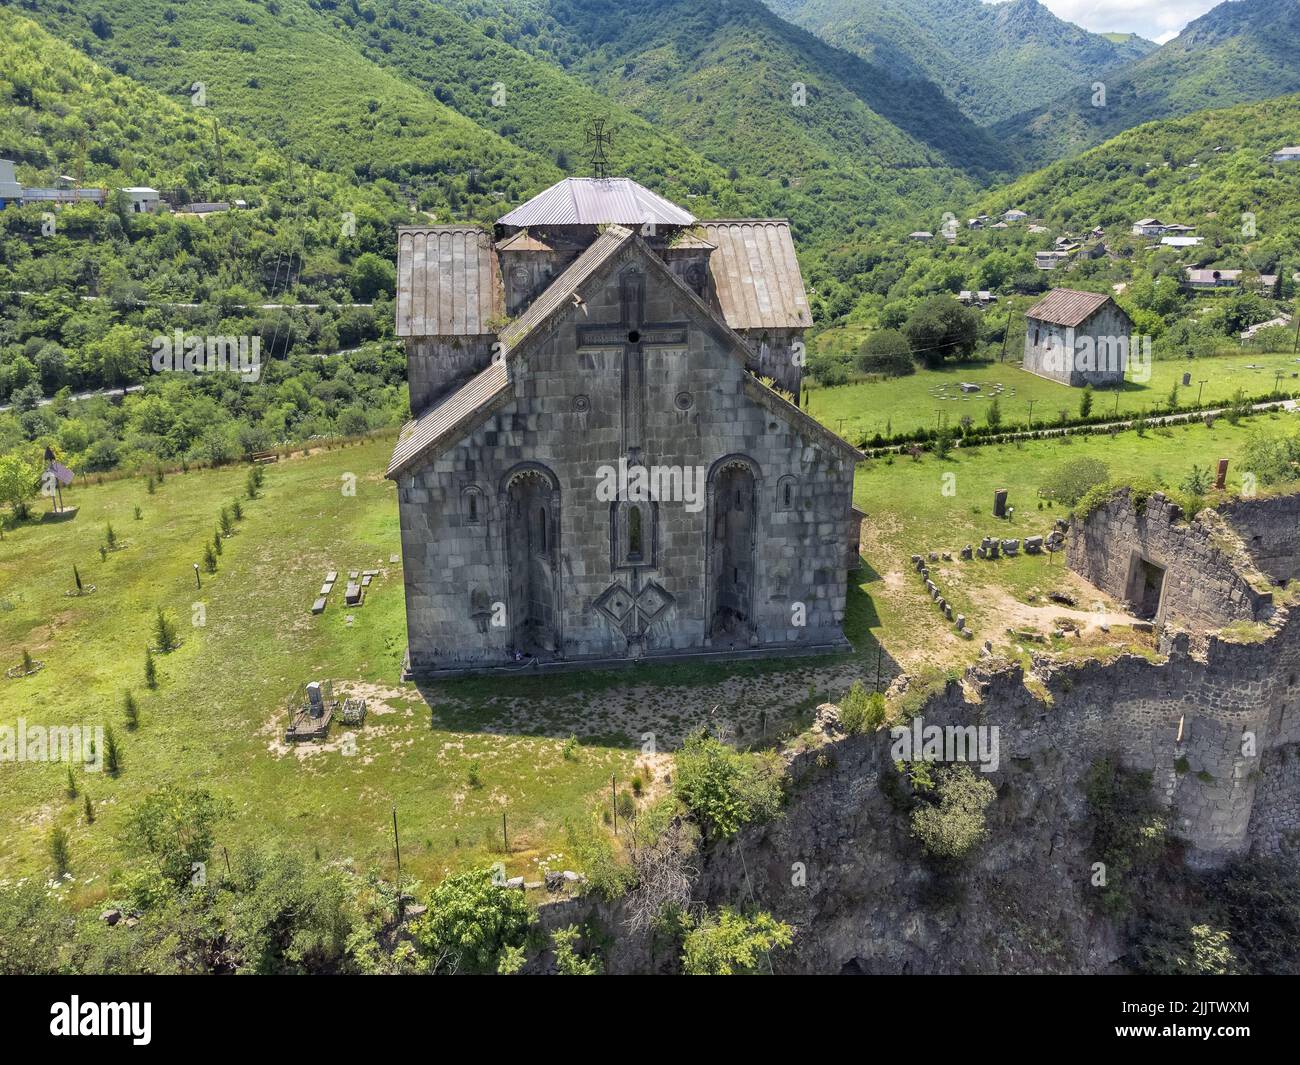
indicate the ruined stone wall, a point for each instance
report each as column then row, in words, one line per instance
column 566, row 416
column 1270, row 529
column 843, row 868
column 1207, row 577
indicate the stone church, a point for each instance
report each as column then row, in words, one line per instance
column 607, row 461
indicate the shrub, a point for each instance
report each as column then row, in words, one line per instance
column 860, row 711
column 953, row 825
column 568, row 962
column 164, row 632
column 1129, row 829
column 470, row 922
column 174, row 827
column 1069, row 482
column 729, row 943
column 60, row 854
column 725, row 789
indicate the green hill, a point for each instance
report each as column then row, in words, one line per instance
column 990, row 59
column 1238, row 52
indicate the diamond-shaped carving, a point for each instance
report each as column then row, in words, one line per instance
column 615, row 602
column 652, row 601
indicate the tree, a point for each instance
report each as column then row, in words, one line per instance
column 175, row 827
column 568, row 962
column 372, row 276
column 886, row 351
column 1069, row 481
column 112, row 752
column 150, row 669
column 164, row 632
column 119, row 356
column 59, row 851
column 469, row 923
column 130, row 710
column 1085, row 401
column 20, row 477
column 941, row 328
column 730, row 944
column 993, row 415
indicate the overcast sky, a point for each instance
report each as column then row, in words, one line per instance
column 1157, row 20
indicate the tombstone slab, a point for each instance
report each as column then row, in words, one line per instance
column 318, row 607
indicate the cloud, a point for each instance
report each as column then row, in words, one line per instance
column 1157, row 20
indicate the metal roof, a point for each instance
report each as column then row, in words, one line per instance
column 474, row 399
column 756, row 274
column 597, row 201
column 448, row 281
column 1067, row 306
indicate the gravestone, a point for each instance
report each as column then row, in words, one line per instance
column 1187, row 379
column 1000, row 503
column 318, row 607
column 1221, row 481
column 1033, row 545
column 315, row 701
column 352, row 597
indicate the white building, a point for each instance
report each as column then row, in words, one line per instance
column 1287, row 155
column 144, row 200
column 10, row 190
column 1148, row 227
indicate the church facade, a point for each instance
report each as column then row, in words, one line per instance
column 603, row 465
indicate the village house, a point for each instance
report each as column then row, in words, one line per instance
column 1077, row 338
column 920, row 235
column 143, row 200
column 1050, row 260
column 10, row 190
column 1211, row 280
column 597, row 471
column 1014, row 215
column 1287, row 155
column 1148, row 227
column 1181, row 242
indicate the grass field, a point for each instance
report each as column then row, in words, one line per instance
column 217, row 718
column 902, row 404
column 909, row 513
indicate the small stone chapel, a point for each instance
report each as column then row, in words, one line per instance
column 607, row 461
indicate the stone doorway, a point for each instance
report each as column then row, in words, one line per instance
column 731, row 553
column 532, row 561
column 1146, row 587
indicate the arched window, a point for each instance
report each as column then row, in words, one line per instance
column 787, row 493
column 634, row 545
column 471, row 505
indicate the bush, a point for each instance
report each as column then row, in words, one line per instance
column 470, row 922
column 1129, row 829
column 730, row 944
column 725, row 789
column 886, row 351
column 862, row 712
column 1069, row 482
column 953, row 825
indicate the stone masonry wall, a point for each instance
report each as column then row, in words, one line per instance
column 1270, row 529
column 1076, row 355
column 1207, row 580
column 566, row 416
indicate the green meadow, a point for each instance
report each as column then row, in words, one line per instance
column 918, row 401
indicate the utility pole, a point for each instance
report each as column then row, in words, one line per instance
column 397, row 846
column 1031, row 414
column 1199, row 390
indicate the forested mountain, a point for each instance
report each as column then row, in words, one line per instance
column 991, row 59
column 1240, row 51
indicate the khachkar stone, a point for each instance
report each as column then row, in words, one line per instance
column 1033, row 545
column 967, row 552
column 1000, row 503
column 1221, row 481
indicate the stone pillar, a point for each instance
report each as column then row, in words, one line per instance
column 1222, row 480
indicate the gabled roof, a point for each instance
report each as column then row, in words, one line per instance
column 472, row 403
column 523, row 241
column 597, row 201
column 1067, row 306
column 562, row 289
column 448, row 281
column 756, row 274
